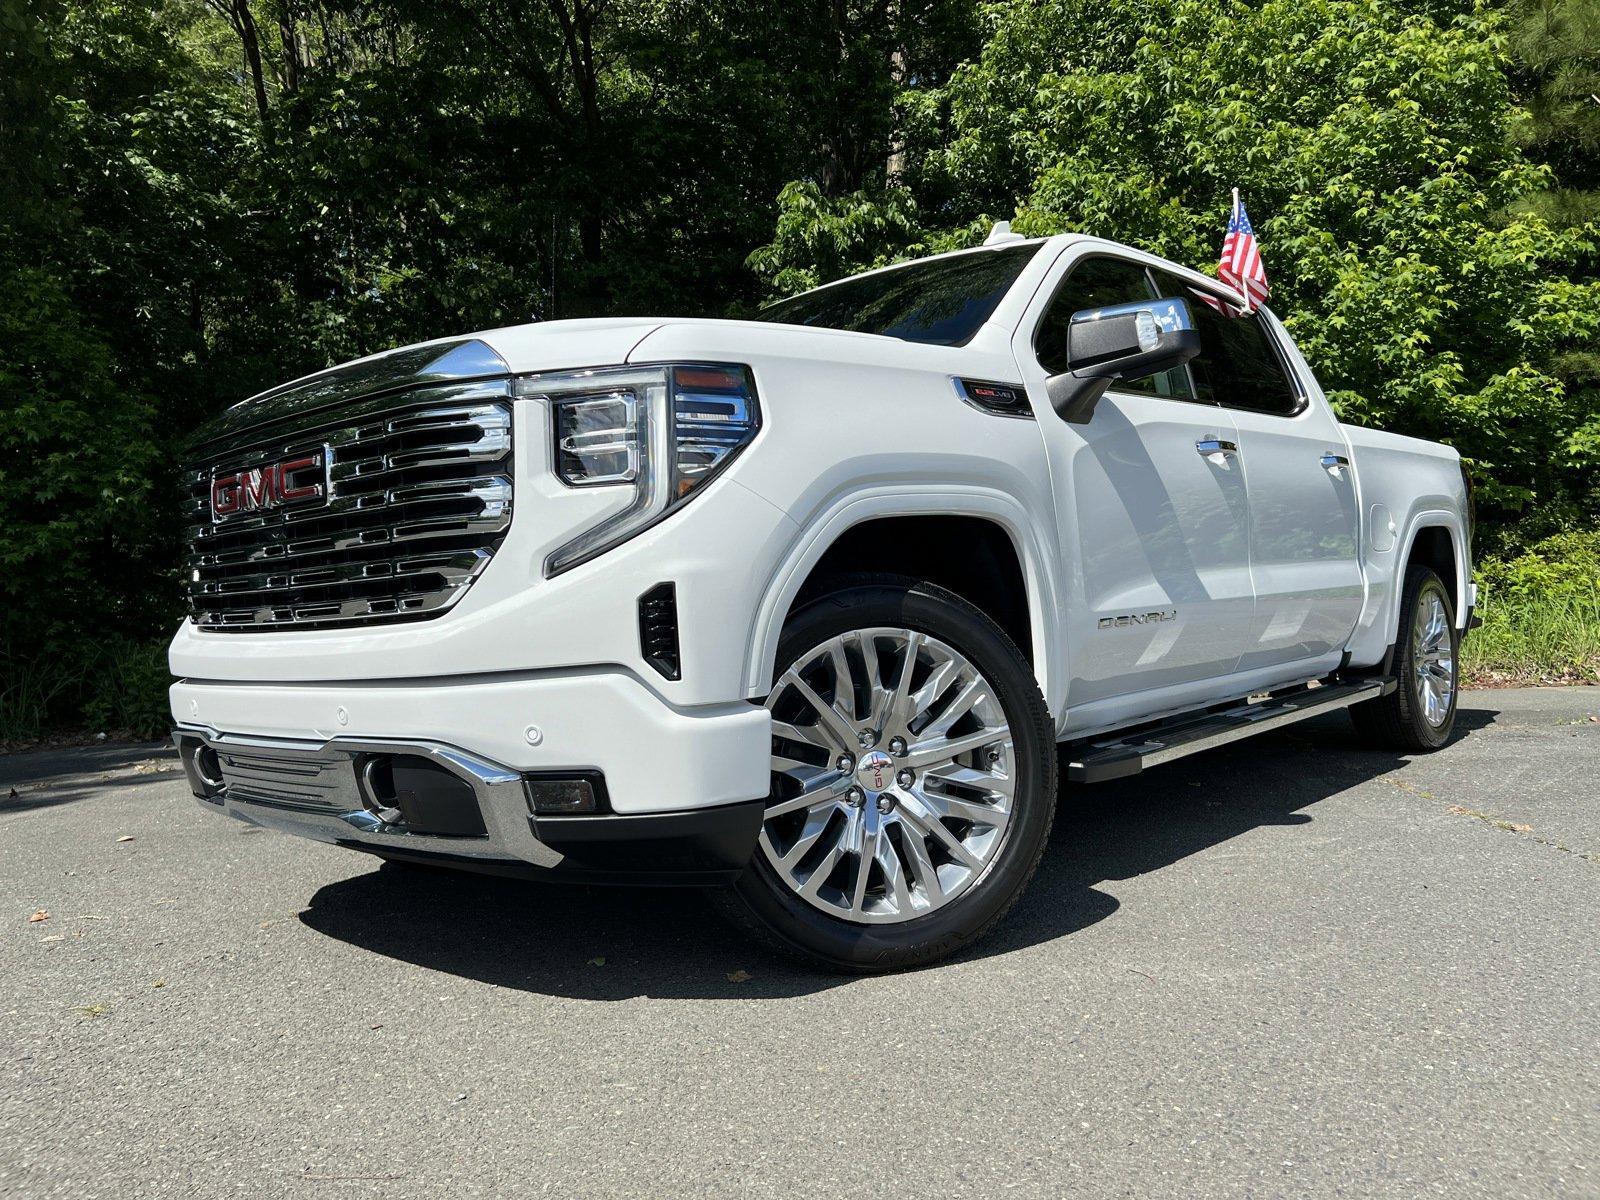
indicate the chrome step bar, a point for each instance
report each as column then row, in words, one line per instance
column 1095, row 760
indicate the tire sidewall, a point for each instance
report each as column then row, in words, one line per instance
column 923, row 608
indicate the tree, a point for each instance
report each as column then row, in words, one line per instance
column 1375, row 148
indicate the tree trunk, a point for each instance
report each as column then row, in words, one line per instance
column 246, row 25
column 291, row 51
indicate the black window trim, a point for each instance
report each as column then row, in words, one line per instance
column 1302, row 395
column 1145, row 269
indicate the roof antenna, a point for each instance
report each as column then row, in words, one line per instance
column 1001, row 233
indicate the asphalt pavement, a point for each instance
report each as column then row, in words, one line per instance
column 1289, row 968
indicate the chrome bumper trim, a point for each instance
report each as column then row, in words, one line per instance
column 310, row 788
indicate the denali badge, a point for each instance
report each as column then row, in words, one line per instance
column 1147, row 618
column 289, row 482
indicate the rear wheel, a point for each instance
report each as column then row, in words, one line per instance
column 1420, row 713
column 913, row 780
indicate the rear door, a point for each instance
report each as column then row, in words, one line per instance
column 1152, row 508
column 1304, row 516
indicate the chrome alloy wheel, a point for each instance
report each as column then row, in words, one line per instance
column 1432, row 658
column 892, row 776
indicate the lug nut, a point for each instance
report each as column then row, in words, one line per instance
column 885, row 802
column 897, row 747
column 906, row 777
column 855, row 797
column 846, row 763
column 867, row 738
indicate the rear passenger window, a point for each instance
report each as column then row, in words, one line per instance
column 1097, row 282
column 1238, row 366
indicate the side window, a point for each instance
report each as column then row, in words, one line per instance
column 1096, row 282
column 1238, row 366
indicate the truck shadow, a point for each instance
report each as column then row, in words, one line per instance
column 622, row 943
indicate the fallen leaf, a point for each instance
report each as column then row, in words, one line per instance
column 159, row 983
column 93, row 1010
column 597, row 962
column 378, row 1026
column 127, row 837
column 41, row 915
column 738, row 976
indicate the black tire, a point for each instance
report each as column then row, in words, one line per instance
column 761, row 902
column 1398, row 721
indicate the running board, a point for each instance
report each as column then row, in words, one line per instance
column 1121, row 755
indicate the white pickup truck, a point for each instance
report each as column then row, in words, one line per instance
column 807, row 608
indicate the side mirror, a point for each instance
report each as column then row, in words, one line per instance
column 1124, row 341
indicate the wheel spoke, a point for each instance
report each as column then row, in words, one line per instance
column 930, row 824
column 932, row 688
column 924, row 753
column 842, row 730
column 864, row 860
column 816, row 823
column 901, row 698
column 922, row 867
column 959, row 707
column 822, row 788
column 894, row 876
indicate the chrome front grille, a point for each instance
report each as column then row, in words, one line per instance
column 416, row 499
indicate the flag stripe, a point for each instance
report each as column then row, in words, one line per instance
column 1239, row 265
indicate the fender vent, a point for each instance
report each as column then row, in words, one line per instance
column 658, row 629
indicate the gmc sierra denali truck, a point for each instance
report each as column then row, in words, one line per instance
column 804, row 608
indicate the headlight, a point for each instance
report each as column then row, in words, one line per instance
column 661, row 431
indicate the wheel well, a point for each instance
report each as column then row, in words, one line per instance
column 972, row 556
column 1433, row 548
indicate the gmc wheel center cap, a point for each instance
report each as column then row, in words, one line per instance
column 875, row 771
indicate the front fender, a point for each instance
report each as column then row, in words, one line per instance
column 825, row 527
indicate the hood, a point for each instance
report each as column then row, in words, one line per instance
column 513, row 350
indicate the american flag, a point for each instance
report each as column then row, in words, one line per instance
column 1240, row 267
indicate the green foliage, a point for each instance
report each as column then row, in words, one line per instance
column 1375, row 145
column 1541, row 614
column 206, row 197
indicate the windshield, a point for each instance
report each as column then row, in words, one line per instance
column 941, row 301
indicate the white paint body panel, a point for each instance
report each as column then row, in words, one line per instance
column 1121, row 515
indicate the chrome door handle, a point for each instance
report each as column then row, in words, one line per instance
column 1334, row 461
column 1210, row 446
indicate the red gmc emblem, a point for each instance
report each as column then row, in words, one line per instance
column 289, row 482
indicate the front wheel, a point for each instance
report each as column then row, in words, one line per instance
column 913, row 780
column 1420, row 713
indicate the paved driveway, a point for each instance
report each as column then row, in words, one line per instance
column 1288, row 968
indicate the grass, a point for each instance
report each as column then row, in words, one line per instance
column 1528, row 640
column 1541, row 615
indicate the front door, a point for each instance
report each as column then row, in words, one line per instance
column 1152, row 510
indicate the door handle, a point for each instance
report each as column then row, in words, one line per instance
column 1209, row 446
column 1334, row 461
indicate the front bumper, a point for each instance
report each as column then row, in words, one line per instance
column 682, row 788
column 318, row 791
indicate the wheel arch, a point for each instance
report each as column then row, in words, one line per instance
column 911, row 523
column 1436, row 540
